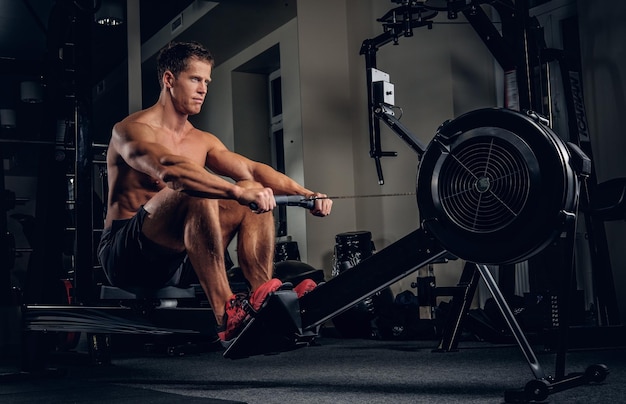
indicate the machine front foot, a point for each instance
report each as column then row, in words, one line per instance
column 275, row 328
column 538, row 390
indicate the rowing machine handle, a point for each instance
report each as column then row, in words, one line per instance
column 290, row 200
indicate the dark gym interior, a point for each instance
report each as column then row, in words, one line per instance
column 502, row 284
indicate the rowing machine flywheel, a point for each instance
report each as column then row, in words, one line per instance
column 495, row 186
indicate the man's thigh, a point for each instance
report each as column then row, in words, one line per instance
column 131, row 259
column 167, row 215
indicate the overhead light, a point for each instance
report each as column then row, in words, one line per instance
column 110, row 13
column 7, row 118
column 31, row 92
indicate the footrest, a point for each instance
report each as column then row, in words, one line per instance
column 276, row 327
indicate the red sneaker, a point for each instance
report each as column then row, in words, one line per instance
column 304, row 287
column 259, row 296
column 234, row 318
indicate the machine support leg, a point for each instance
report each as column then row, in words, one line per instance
column 511, row 321
column 460, row 305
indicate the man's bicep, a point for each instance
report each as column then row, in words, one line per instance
column 143, row 156
column 226, row 163
column 129, row 141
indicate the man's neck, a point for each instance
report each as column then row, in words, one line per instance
column 170, row 118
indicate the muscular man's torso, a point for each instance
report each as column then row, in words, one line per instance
column 129, row 189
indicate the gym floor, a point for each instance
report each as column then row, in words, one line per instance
column 334, row 370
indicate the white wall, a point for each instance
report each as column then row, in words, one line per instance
column 327, row 108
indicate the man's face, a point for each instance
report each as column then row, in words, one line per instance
column 190, row 88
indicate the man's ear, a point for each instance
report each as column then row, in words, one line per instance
column 168, row 79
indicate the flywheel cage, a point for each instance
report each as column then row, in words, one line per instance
column 494, row 186
column 484, row 186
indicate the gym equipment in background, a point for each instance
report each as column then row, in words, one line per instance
column 364, row 319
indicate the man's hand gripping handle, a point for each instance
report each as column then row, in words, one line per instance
column 290, row 200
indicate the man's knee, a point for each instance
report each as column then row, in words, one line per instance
column 233, row 215
column 232, row 211
column 172, row 202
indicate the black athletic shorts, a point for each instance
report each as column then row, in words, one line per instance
column 129, row 259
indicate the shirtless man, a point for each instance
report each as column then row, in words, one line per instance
column 165, row 207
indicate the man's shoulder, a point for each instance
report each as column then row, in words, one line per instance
column 202, row 134
column 142, row 117
column 136, row 123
